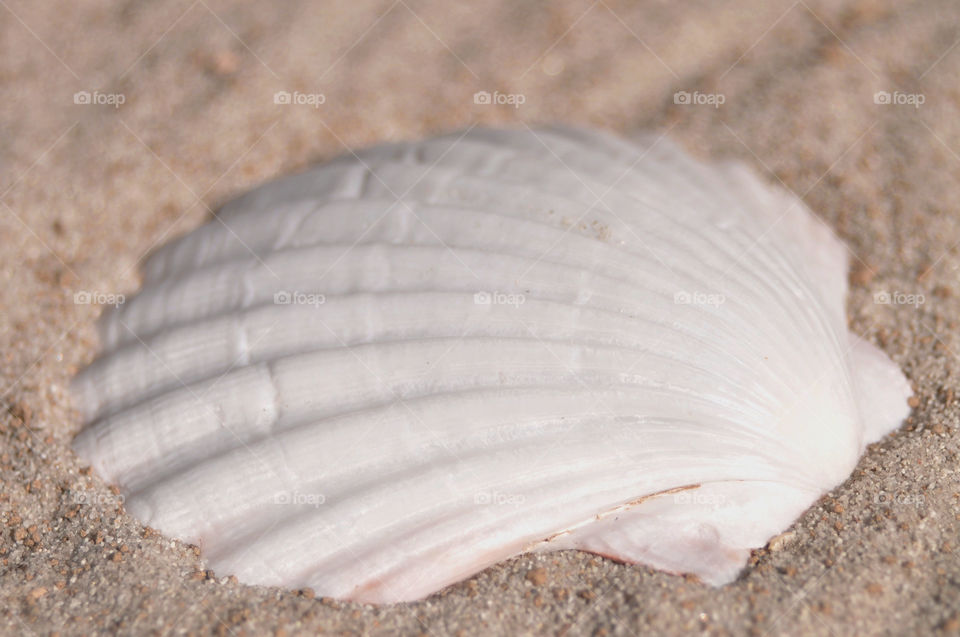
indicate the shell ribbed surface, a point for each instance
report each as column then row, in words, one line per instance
column 379, row 376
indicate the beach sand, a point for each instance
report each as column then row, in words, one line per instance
column 86, row 190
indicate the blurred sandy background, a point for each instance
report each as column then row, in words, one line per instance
column 87, row 188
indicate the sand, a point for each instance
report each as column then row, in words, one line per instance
column 87, row 189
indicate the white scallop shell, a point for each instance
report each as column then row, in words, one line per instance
column 382, row 375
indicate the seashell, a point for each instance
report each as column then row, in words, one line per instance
column 382, row 375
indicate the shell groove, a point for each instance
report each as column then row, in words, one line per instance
column 378, row 377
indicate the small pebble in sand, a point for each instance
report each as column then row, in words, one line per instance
column 537, row 576
column 778, row 542
column 952, row 625
column 22, row 413
column 862, row 275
